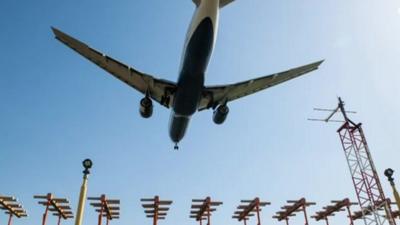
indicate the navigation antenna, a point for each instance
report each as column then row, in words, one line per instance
column 339, row 108
column 375, row 208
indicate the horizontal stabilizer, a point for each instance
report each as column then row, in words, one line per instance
column 222, row 3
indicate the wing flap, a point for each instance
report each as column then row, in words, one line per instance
column 160, row 90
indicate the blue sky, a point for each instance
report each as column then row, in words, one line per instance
column 57, row 108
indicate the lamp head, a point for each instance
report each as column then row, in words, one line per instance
column 389, row 174
column 87, row 164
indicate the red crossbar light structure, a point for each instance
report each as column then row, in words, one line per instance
column 202, row 208
column 59, row 206
column 330, row 210
column 12, row 208
column 396, row 214
column 155, row 208
column 359, row 214
column 108, row 208
column 291, row 210
column 248, row 208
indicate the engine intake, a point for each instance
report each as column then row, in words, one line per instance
column 146, row 107
column 220, row 114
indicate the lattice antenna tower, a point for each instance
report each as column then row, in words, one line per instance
column 374, row 207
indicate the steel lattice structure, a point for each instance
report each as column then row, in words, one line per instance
column 363, row 173
column 366, row 182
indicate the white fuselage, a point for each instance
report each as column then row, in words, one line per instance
column 206, row 9
column 197, row 50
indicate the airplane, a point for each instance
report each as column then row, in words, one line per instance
column 188, row 94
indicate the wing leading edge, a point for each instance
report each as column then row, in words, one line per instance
column 163, row 91
column 160, row 90
column 221, row 94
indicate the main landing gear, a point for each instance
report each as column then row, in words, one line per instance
column 176, row 147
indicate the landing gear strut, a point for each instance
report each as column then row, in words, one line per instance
column 176, row 147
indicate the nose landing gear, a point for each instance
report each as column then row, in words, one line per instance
column 176, row 147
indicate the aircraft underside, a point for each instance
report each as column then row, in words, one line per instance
column 189, row 94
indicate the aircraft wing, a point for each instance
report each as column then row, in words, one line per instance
column 221, row 94
column 160, row 90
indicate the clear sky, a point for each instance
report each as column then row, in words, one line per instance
column 57, row 108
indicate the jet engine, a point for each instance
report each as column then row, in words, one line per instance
column 220, row 114
column 146, row 107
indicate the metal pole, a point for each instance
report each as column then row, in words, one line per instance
column 389, row 174
column 87, row 163
column 208, row 212
column 156, row 203
column 59, row 220
column 326, row 219
column 82, row 201
column 351, row 219
column 287, row 221
column 258, row 212
column 101, row 211
column 305, row 214
column 396, row 196
column 10, row 218
column 47, row 209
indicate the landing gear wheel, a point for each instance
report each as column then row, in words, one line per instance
column 176, row 147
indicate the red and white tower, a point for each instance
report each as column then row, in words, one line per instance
column 375, row 208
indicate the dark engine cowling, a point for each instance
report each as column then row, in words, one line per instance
column 220, row 114
column 146, row 107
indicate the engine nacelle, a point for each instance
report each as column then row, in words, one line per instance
column 220, row 114
column 146, row 107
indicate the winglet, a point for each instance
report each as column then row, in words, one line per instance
column 56, row 32
column 68, row 40
column 313, row 66
column 319, row 62
column 53, row 28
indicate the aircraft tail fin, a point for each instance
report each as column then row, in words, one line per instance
column 222, row 3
